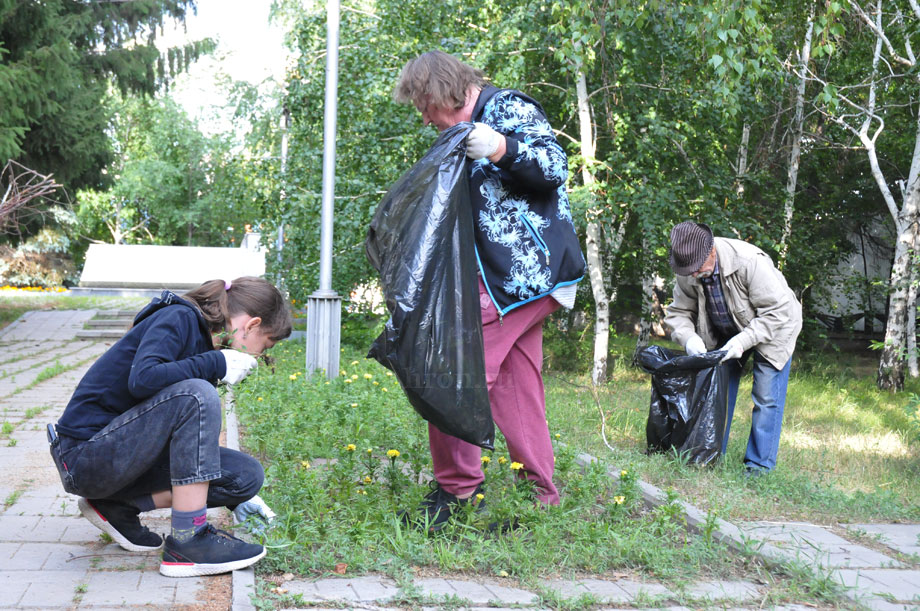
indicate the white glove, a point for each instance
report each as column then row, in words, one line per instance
column 695, row 345
column 482, row 142
column 733, row 349
column 239, row 365
column 254, row 508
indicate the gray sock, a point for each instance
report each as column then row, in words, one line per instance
column 186, row 523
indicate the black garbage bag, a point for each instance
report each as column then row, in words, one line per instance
column 421, row 242
column 687, row 410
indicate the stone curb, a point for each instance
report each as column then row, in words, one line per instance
column 244, row 580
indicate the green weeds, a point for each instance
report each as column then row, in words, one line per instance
column 343, row 457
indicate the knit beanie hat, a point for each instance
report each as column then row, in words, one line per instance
column 691, row 244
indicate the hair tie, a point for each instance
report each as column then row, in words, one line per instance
column 227, row 285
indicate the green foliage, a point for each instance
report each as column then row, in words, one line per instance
column 57, row 59
column 170, row 183
column 40, row 261
column 342, row 457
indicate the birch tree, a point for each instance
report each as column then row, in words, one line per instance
column 865, row 118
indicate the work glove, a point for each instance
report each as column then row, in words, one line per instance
column 695, row 345
column 255, row 508
column 482, row 142
column 239, row 365
column 733, row 349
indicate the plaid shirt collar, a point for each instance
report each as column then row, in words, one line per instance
column 716, row 308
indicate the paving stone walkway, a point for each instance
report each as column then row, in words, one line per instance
column 51, row 558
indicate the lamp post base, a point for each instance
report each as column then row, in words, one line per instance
column 324, row 318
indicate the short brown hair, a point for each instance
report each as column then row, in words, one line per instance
column 439, row 78
column 219, row 301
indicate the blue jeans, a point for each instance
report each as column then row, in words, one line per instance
column 769, row 396
column 170, row 439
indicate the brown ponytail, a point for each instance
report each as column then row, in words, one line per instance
column 219, row 301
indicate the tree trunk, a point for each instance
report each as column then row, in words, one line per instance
column 741, row 164
column 892, row 364
column 593, row 239
column 645, row 320
column 912, row 368
column 792, row 172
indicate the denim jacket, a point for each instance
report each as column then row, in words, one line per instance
column 526, row 244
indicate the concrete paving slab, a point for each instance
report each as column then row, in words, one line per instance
column 56, row 325
column 55, row 589
column 903, row 537
column 13, row 587
column 509, row 595
column 473, row 592
column 724, row 590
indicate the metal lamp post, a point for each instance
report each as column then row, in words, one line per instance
column 324, row 307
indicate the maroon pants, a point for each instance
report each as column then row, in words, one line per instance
column 514, row 359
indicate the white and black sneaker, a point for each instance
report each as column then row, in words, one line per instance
column 120, row 521
column 209, row 552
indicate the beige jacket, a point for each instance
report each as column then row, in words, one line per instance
column 760, row 302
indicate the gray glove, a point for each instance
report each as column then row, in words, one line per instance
column 695, row 345
column 256, row 512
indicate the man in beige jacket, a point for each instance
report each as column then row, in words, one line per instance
column 729, row 296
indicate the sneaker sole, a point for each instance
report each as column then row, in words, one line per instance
column 89, row 512
column 192, row 569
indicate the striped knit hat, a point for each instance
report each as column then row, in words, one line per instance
column 691, row 243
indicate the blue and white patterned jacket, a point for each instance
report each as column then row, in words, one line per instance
column 526, row 244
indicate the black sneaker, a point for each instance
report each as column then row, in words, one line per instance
column 437, row 508
column 119, row 520
column 209, row 552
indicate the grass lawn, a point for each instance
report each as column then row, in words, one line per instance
column 343, row 457
column 848, row 452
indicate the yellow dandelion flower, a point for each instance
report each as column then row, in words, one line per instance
column 376, row 383
column 305, row 464
column 392, row 453
column 327, row 383
column 502, row 460
column 479, row 497
column 558, row 436
column 485, row 460
column 359, row 491
column 624, row 473
column 384, row 389
column 293, row 376
column 368, row 376
column 370, row 450
column 348, row 381
column 389, row 374
column 354, row 362
column 343, row 372
column 503, row 573
column 367, row 479
column 258, row 398
column 354, row 377
column 516, row 466
column 354, row 405
column 351, row 447
column 619, row 500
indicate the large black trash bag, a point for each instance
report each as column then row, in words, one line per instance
column 421, row 242
column 687, row 410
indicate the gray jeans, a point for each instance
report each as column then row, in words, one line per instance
column 170, row 439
